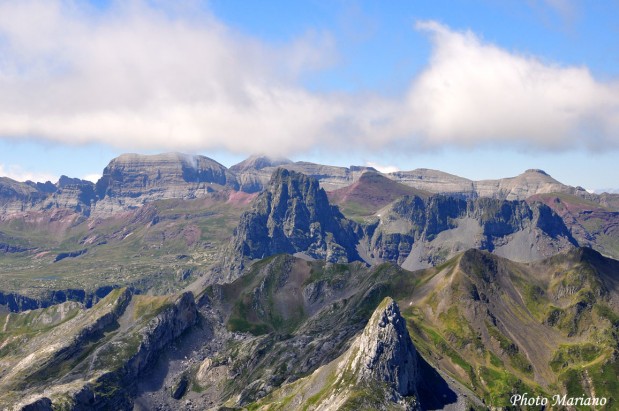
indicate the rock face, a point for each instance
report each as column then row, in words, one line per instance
column 69, row 194
column 293, row 215
column 591, row 224
column 525, row 185
column 16, row 197
column 385, row 353
column 435, row 181
column 417, row 233
column 15, row 302
column 255, row 172
column 59, row 362
column 379, row 371
column 521, row 187
column 131, row 180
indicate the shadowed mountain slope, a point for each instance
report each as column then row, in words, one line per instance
column 66, row 357
column 371, row 192
column 590, row 223
column 420, row 232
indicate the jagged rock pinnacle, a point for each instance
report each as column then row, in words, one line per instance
column 386, row 352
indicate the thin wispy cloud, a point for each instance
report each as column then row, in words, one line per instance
column 18, row 173
column 382, row 168
column 136, row 77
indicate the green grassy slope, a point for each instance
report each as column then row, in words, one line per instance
column 161, row 246
column 496, row 326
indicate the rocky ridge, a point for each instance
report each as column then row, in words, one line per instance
column 417, row 233
column 87, row 359
column 132, row 180
column 521, row 187
column 293, row 215
column 379, row 371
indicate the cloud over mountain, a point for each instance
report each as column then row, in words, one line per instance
column 138, row 76
column 474, row 92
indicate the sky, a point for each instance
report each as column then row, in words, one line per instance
column 482, row 89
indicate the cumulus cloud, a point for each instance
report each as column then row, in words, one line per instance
column 473, row 93
column 139, row 76
column 142, row 77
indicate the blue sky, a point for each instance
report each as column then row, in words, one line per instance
column 481, row 89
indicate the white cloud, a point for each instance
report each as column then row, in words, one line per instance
column 138, row 77
column 476, row 93
column 92, row 177
column 382, row 168
column 17, row 173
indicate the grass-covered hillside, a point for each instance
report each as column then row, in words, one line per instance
column 495, row 326
column 161, row 246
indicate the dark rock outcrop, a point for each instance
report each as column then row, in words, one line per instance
column 70, row 254
column 16, row 302
column 416, row 232
column 293, row 215
column 42, row 404
column 385, row 351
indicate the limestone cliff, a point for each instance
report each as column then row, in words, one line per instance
column 80, row 359
column 132, row 180
column 255, row 172
column 521, row 187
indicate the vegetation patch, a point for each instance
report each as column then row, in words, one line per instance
column 575, row 354
column 511, row 350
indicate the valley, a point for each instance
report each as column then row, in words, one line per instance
column 176, row 282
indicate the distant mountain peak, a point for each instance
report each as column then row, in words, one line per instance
column 536, row 171
column 258, row 162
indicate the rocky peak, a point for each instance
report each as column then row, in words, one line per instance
column 65, row 181
column 384, row 352
column 536, row 171
column 131, row 180
column 258, row 162
column 134, row 173
column 293, row 215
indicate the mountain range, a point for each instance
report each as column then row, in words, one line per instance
column 174, row 281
